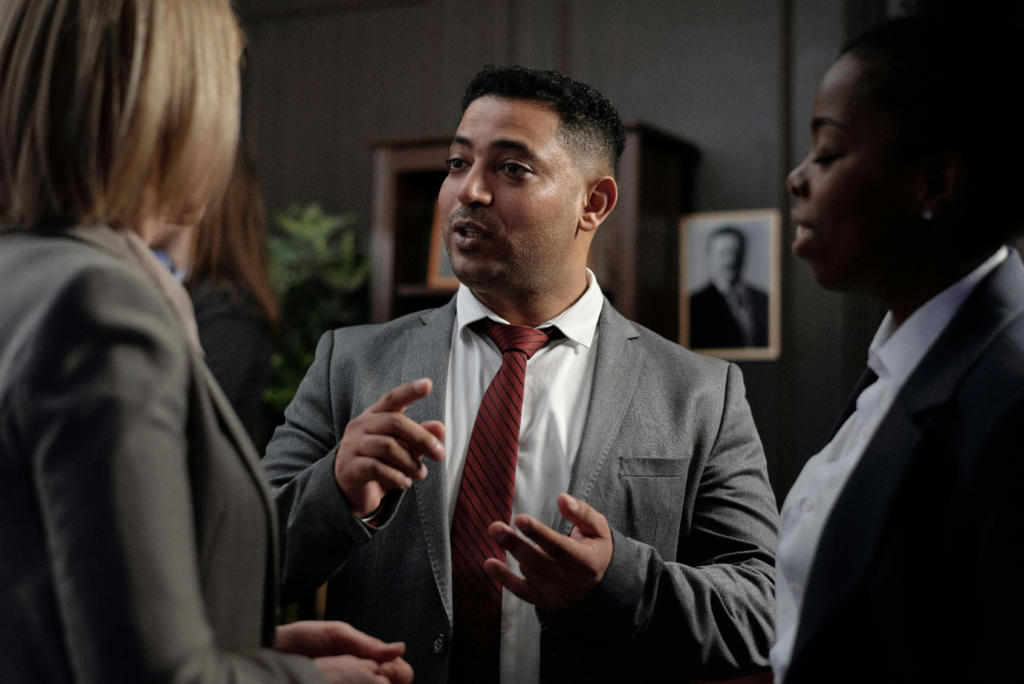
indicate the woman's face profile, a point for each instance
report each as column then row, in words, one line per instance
column 853, row 198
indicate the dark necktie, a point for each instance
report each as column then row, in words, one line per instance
column 867, row 378
column 485, row 495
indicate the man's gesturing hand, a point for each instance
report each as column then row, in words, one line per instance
column 381, row 448
column 558, row 571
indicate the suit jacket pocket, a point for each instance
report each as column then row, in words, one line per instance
column 653, row 467
column 652, row 492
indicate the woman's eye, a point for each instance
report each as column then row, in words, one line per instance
column 825, row 159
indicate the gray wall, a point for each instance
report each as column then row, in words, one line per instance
column 735, row 77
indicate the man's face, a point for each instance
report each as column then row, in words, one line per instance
column 512, row 200
column 726, row 258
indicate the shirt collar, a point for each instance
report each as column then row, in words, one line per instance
column 895, row 352
column 578, row 323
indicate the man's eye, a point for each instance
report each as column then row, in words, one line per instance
column 825, row 159
column 455, row 163
column 513, row 168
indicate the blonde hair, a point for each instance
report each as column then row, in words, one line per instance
column 110, row 109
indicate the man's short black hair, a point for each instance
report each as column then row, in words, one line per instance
column 590, row 124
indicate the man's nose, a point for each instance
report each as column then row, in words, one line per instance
column 475, row 188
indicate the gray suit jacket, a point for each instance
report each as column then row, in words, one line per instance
column 669, row 454
column 137, row 536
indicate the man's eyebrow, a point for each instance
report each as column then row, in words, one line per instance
column 460, row 140
column 512, row 146
column 500, row 144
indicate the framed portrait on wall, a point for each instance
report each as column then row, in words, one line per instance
column 730, row 284
column 439, row 266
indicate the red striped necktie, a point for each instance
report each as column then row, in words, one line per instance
column 485, row 495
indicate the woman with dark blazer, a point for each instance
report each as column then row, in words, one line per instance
column 137, row 536
column 227, row 278
column 902, row 542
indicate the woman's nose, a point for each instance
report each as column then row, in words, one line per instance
column 796, row 181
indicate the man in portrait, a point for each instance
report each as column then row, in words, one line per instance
column 523, row 485
column 729, row 312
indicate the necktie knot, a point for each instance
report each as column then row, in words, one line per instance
column 520, row 338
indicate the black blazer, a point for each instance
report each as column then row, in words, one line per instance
column 918, row 575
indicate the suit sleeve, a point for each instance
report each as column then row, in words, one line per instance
column 318, row 531
column 102, row 409
column 994, row 519
column 710, row 611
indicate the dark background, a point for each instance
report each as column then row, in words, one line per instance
column 734, row 77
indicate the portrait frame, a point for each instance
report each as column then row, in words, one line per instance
column 439, row 268
column 761, row 274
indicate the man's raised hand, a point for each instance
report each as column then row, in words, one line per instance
column 558, row 571
column 382, row 448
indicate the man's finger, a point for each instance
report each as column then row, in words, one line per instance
column 500, row 573
column 418, row 440
column 390, row 451
column 366, row 469
column 395, row 400
column 524, row 552
column 583, row 516
column 434, row 427
column 556, row 545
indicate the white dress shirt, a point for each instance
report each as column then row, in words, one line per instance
column 893, row 355
column 555, row 401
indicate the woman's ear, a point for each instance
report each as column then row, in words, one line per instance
column 944, row 180
column 601, row 198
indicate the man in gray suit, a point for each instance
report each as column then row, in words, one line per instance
column 402, row 464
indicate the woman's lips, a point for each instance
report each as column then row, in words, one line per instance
column 804, row 234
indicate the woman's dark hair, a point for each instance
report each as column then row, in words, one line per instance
column 951, row 80
column 229, row 248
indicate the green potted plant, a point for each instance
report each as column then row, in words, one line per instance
column 319, row 274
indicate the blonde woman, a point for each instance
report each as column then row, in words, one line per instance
column 137, row 537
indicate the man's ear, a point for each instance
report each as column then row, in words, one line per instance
column 943, row 182
column 601, row 198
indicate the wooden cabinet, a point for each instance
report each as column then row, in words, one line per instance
column 635, row 254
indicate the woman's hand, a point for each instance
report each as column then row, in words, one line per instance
column 344, row 654
column 351, row 670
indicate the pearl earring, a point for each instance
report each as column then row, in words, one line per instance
column 927, row 215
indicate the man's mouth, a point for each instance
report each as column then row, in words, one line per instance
column 467, row 234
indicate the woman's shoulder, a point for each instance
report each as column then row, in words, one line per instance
column 54, row 283
column 44, row 262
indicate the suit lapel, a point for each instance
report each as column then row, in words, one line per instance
column 426, row 354
column 616, row 373
column 236, row 432
column 856, row 522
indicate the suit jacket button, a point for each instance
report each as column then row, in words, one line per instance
column 439, row 644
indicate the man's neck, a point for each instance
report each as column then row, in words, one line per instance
column 532, row 309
